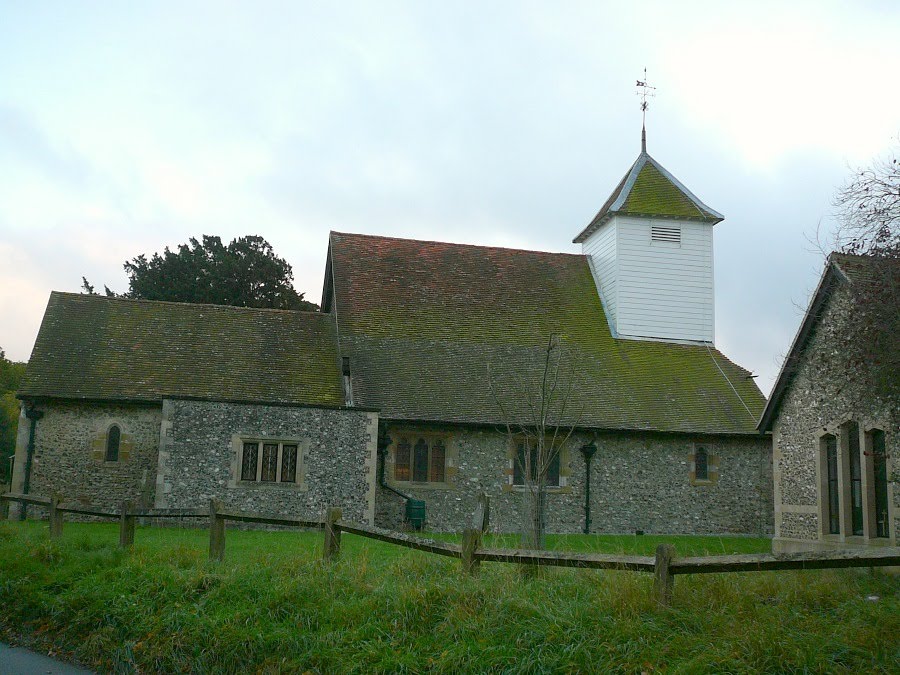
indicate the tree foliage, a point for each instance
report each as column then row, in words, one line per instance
column 869, row 225
column 245, row 273
column 10, row 378
column 869, row 210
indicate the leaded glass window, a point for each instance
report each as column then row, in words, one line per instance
column 420, row 461
column 701, row 464
column 270, row 462
column 401, row 460
column 289, row 464
column 551, row 470
column 248, row 462
column 519, row 465
column 269, row 470
column 424, row 461
column 831, row 469
column 438, row 461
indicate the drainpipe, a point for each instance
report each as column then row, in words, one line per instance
column 588, row 452
column 384, row 442
column 33, row 416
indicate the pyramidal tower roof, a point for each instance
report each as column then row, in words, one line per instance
column 649, row 190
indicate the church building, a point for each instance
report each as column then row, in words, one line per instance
column 405, row 387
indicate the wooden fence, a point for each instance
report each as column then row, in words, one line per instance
column 664, row 566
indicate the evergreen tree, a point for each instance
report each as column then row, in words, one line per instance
column 245, row 273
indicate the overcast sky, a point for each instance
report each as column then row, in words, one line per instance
column 128, row 127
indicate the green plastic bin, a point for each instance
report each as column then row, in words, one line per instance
column 415, row 513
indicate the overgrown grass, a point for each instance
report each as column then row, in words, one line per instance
column 274, row 606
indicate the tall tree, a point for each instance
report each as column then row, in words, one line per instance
column 10, row 378
column 245, row 273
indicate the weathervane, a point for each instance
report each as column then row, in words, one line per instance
column 644, row 90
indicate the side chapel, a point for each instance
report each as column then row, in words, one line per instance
column 386, row 395
column 834, row 434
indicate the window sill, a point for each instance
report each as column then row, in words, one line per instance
column 285, row 487
column 410, row 485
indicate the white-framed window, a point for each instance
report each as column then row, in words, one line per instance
column 269, row 461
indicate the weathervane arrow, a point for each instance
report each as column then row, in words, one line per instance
column 644, row 91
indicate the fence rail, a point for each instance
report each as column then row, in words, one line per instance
column 768, row 562
column 596, row 561
column 401, row 539
column 664, row 566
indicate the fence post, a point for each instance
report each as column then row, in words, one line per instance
column 56, row 518
column 663, row 579
column 470, row 540
column 487, row 512
column 216, row 531
column 482, row 516
column 126, row 525
column 332, row 534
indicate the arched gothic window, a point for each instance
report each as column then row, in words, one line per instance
column 113, row 436
column 701, row 464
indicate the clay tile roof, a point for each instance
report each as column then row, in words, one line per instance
column 422, row 322
column 649, row 190
column 94, row 347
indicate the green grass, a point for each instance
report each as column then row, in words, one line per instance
column 273, row 606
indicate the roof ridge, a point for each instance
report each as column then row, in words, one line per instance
column 108, row 298
column 450, row 243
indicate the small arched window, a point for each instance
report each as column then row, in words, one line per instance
column 701, row 464
column 113, row 436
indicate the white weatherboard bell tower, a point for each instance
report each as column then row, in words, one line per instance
column 651, row 251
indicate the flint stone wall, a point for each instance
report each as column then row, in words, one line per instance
column 70, row 443
column 639, row 481
column 197, row 458
column 823, row 394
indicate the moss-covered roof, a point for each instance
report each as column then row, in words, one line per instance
column 423, row 322
column 649, row 190
column 93, row 347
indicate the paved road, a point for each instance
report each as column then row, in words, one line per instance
column 19, row 661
